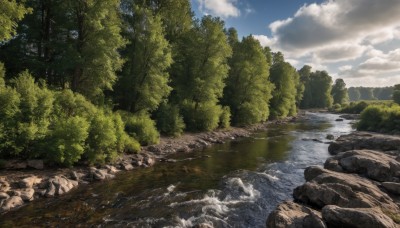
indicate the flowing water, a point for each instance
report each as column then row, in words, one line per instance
column 235, row 184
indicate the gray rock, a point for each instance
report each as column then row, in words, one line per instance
column 126, row 166
column 392, row 187
column 4, row 195
column 339, row 120
column 100, row 174
column 330, row 137
column 150, row 161
column 325, row 187
column 203, row 225
column 10, row 203
column 59, row 185
column 293, row 215
column 365, row 140
column 375, row 165
column 29, row 182
column 36, row 164
column 26, row 194
column 111, row 169
column 76, row 175
column 356, row 217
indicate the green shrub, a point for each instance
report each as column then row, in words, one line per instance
column 66, row 143
column 201, row 116
column 225, row 118
column 380, row 118
column 125, row 143
column 396, row 96
column 9, row 112
column 142, row 128
column 355, row 107
column 169, row 120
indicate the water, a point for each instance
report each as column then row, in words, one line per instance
column 238, row 185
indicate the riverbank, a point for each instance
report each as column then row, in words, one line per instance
column 25, row 184
column 358, row 187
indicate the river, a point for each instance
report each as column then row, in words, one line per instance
column 235, row 184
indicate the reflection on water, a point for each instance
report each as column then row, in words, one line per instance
column 236, row 186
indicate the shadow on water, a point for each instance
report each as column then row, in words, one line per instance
column 233, row 184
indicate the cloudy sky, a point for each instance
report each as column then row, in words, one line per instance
column 357, row 40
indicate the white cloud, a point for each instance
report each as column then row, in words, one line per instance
column 264, row 40
column 221, row 8
column 353, row 39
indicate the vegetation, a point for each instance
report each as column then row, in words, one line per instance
column 339, row 92
column 83, row 81
column 370, row 93
column 396, row 94
column 380, row 118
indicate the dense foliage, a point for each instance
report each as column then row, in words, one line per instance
column 83, row 81
column 339, row 92
column 380, row 118
column 370, row 93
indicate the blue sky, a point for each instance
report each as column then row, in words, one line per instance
column 357, row 40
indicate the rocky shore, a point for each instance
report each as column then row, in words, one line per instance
column 24, row 181
column 358, row 187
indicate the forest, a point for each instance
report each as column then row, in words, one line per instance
column 84, row 80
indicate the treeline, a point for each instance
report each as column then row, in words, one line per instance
column 370, row 93
column 85, row 80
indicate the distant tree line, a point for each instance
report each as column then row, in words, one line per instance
column 85, row 80
column 370, row 93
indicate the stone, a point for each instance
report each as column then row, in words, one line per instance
column 127, row 166
column 333, row 164
column 366, row 140
column 373, row 164
column 339, row 120
column 76, row 175
column 4, row 186
column 100, row 174
column 325, row 187
column 36, row 164
column 392, row 187
column 111, row 169
column 59, row 185
column 10, row 203
column 290, row 214
column 29, row 182
column 27, row 194
column 330, row 137
column 336, row 216
column 203, row 225
column 150, row 161
column 4, row 195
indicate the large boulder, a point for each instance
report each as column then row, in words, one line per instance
column 59, row 185
column 375, row 165
column 336, row 216
column 392, row 187
column 365, row 140
column 292, row 215
column 36, row 164
column 325, row 187
column 25, row 194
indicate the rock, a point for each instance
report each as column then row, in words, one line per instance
column 126, row 166
column 10, row 203
column 111, row 169
column 4, row 195
column 356, row 217
column 137, row 163
column 36, row 164
column 29, row 182
column 59, row 185
column 373, row 164
column 330, row 137
column 76, row 175
column 362, row 140
column 16, row 164
column 290, row 214
column 150, row 161
column 27, row 194
column 325, row 187
column 4, row 186
column 100, row 174
column 339, row 120
column 333, row 164
column 203, row 225
column 183, row 149
column 392, row 187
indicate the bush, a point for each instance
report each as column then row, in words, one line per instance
column 169, row 120
column 355, row 107
column 66, row 144
column 396, row 96
column 201, row 116
column 142, row 128
column 225, row 118
column 380, row 118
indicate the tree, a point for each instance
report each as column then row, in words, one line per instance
column 305, row 73
column 339, row 92
column 200, row 72
column 321, row 87
column 248, row 89
column 283, row 76
column 10, row 13
column 396, row 94
column 354, row 94
column 143, row 82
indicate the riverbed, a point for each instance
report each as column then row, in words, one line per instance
column 235, row 184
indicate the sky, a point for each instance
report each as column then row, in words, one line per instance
column 357, row 40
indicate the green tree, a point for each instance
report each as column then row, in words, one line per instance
column 339, row 92
column 354, row 94
column 10, row 13
column 248, row 89
column 321, row 87
column 305, row 73
column 283, row 76
column 396, row 94
column 143, row 83
column 200, row 72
